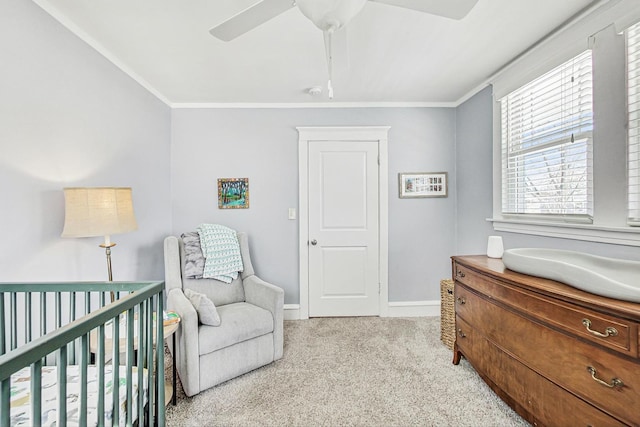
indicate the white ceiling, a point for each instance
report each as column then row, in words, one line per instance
column 395, row 55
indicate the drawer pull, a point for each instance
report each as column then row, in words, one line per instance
column 615, row 382
column 462, row 334
column 462, row 301
column 610, row 331
column 460, row 273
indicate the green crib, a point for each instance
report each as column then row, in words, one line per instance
column 70, row 356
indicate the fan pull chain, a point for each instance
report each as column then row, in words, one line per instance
column 329, row 53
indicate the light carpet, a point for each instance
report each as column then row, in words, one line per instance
column 364, row 371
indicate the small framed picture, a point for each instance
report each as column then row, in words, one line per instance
column 422, row 184
column 233, row 193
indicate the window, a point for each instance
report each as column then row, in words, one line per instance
column 633, row 94
column 547, row 129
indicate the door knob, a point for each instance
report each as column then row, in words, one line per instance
column 314, row 242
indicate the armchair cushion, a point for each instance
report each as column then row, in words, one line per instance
column 207, row 313
column 239, row 322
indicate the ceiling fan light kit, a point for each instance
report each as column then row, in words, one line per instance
column 329, row 16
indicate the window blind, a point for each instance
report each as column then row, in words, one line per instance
column 633, row 91
column 547, row 128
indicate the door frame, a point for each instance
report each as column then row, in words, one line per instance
column 377, row 134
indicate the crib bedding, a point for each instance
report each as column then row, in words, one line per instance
column 21, row 390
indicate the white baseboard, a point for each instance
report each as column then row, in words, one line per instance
column 414, row 308
column 292, row 312
column 396, row 309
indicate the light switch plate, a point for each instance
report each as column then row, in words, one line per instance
column 292, row 213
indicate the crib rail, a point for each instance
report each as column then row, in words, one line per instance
column 76, row 332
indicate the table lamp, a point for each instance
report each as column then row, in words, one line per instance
column 99, row 211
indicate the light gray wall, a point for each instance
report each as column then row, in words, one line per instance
column 474, row 163
column 69, row 117
column 262, row 145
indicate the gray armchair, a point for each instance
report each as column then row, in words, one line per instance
column 251, row 331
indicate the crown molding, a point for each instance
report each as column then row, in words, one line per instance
column 297, row 105
column 467, row 96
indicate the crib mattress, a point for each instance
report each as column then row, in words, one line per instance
column 21, row 395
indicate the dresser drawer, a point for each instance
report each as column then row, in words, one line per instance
column 617, row 334
column 552, row 355
column 551, row 404
column 465, row 339
column 463, row 275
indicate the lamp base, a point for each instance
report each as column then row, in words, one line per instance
column 107, row 249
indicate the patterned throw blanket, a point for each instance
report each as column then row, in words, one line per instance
column 221, row 251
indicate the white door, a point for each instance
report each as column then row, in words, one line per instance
column 343, row 228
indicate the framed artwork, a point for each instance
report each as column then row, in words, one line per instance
column 422, row 184
column 233, row 193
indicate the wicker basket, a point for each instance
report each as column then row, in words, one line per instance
column 447, row 313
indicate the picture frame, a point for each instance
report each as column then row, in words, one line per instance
column 422, row 184
column 233, row 193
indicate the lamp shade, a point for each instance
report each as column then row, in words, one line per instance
column 98, row 211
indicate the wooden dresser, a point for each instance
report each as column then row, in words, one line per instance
column 557, row 355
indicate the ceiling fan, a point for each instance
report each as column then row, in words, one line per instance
column 329, row 16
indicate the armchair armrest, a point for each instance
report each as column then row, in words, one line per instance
column 186, row 341
column 270, row 297
column 172, row 273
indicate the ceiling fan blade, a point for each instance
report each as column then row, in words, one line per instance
column 454, row 9
column 250, row 18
